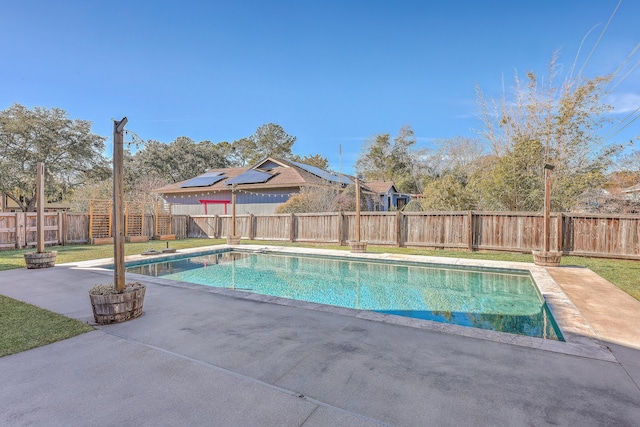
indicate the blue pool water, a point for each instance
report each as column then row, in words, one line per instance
column 506, row 301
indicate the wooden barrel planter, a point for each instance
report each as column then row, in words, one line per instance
column 233, row 240
column 116, row 308
column 40, row 259
column 547, row 259
column 357, row 247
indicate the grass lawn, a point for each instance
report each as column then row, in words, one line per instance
column 23, row 326
column 73, row 253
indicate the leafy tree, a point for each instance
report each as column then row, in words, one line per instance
column 180, row 160
column 385, row 160
column 272, row 140
column 94, row 190
column 142, row 190
column 564, row 119
column 346, row 200
column 316, row 160
column 630, row 162
column 413, row 206
column 310, row 199
column 457, row 153
column 241, row 152
column 71, row 153
column 372, row 164
column 268, row 140
column 448, row 193
column 514, row 182
column 323, row 199
column 450, row 169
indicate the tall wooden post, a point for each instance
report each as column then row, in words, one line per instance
column 546, row 228
column 40, row 207
column 118, row 204
column 357, row 209
column 233, row 210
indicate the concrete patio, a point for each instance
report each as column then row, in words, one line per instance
column 204, row 357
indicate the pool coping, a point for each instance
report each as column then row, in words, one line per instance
column 580, row 337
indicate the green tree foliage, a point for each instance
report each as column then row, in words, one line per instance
column 268, row 140
column 413, row 206
column 345, row 201
column 385, row 160
column 565, row 121
column 372, row 163
column 458, row 154
column 71, row 153
column 180, row 160
column 323, row 199
column 448, row 193
column 515, row 182
column 241, row 152
column 272, row 140
column 311, row 199
column 316, row 160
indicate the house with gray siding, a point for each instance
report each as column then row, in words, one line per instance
column 259, row 189
column 386, row 197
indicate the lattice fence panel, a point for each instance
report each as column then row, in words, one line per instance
column 163, row 219
column 100, row 212
column 134, row 224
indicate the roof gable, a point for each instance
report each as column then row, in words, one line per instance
column 268, row 164
column 382, row 186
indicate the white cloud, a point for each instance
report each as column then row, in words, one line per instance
column 624, row 103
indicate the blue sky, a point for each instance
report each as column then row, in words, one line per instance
column 332, row 73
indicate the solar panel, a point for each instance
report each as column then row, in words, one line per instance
column 251, row 176
column 321, row 173
column 205, row 180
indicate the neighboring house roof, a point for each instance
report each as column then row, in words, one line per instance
column 382, row 187
column 632, row 189
column 270, row 172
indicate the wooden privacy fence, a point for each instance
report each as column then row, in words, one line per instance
column 611, row 236
column 599, row 235
column 18, row 230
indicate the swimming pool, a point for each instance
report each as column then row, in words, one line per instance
column 492, row 299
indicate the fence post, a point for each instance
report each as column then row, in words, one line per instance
column 60, row 229
column 470, row 231
column 292, row 231
column 21, row 230
column 252, row 231
column 399, row 227
column 560, row 234
column 341, row 238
